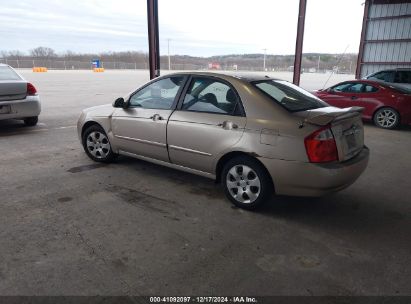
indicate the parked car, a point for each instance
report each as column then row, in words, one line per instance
column 386, row 105
column 255, row 135
column 18, row 98
column 400, row 77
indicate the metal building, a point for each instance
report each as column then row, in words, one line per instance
column 385, row 37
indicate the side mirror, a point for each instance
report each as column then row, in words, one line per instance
column 120, row 103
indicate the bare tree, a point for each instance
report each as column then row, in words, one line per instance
column 43, row 52
column 4, row 54
column 15, row 54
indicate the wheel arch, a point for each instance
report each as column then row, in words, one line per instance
column 87, row 125
column 230, row 155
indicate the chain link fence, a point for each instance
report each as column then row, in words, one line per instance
column 53, row 64
column 84, row 65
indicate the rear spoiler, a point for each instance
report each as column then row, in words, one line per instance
column 324, row 116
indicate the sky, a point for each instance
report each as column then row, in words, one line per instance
column 189, row 27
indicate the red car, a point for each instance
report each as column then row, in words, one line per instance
column 386, row 105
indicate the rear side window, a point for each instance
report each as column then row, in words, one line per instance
column 290, row 96
column 211, row 96
column 7, row 73
column 370, row 89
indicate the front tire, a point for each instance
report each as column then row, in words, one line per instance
column 31, row 121
column 246, row 182
column 96, row 144
column 387, row 118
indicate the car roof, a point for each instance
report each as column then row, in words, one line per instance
column 249, row 77
column 390, row 70
column 372, row 82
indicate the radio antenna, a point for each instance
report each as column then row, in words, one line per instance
column 338, row 62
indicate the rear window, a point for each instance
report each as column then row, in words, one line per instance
column 403, row 77
column 290, row 96
column 7, row 73
column 400, row 89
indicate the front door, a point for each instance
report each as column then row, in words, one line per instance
column 142, row 127
column 343, row 95
column 209, row 121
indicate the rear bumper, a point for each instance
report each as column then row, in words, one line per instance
column 20, row 109
column 309, row 179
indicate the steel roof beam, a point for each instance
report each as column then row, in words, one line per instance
column 153, row 38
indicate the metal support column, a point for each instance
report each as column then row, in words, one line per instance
column 299, row 42
column 153, row 39
column 362, row 41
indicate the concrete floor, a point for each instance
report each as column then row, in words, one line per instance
column 69, row 226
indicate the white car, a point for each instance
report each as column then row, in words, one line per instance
column 18, row 98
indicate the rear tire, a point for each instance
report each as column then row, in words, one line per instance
column 31, row 121
column 246, row 182
column 97, row 145
column 387, row 118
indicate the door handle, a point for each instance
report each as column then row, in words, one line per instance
column 156, row 117
column 354, row 97
column 228, row 125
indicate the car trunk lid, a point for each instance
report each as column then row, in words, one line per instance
column 12, row 90
column 346, row 125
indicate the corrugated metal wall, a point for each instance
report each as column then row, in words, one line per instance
column 378, row 49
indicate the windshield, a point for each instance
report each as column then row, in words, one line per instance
column 7, row 73
column 290, row 96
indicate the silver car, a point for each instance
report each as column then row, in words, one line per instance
column 256, row 135
column 400, row 77
column 18, row 98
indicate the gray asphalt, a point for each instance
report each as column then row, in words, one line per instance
column 69, row 226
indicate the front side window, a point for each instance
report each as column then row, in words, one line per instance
column 355, row 88
column 290, row 96
column 158, row 95
column 341, row 87
column 7, row 73
column 212, row 96
column 349, row 87
column 387, row 76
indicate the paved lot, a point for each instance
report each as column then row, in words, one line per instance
column 69, row 226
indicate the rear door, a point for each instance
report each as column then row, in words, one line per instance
column 363, row 95
column 370, row 98
column 142, row 128
column 209, row 120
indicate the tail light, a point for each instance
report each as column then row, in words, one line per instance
column 31, row 89
column 321, row 146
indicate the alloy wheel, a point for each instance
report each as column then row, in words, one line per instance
column 387, row 118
